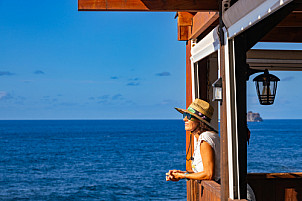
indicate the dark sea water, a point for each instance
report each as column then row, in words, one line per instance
column 120, row 159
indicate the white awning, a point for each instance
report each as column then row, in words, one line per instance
column 208, row 45
column 245, row 13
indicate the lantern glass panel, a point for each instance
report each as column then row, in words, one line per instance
column 217, row 93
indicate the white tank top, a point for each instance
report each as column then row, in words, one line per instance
column 214, row 141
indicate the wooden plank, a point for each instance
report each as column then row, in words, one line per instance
column 202, row 21
column 184, row 23
column 188, row 102
column 286, row 60
column 147, row 5
column 284, row 34
column 241, row 96
column 292, row 20
column 212, row 186
column 224, row 173
column 274, row 54
column 185, row 19
column 183, row 33
column 262, row 176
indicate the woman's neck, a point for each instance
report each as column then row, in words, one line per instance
column 197, row 133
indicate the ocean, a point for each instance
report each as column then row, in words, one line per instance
column 120, row 159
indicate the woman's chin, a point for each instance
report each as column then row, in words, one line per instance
column 187, row 129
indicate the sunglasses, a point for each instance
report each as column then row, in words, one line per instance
column 189, row 116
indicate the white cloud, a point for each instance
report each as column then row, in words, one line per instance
column 4, row 95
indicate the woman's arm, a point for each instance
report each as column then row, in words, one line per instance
column 208, row 160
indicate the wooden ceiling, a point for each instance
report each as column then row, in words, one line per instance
column 194, row 17
column 288, row 30
column 147, row 5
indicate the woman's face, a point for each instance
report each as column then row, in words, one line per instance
column 191, row 125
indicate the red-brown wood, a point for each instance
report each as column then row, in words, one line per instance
column 202, row 21
column 276, row 186
column 188, row 101
column 147, row 5
column 284, row 34
column 185, row 19
column 223, row 133
column 184, row 24
column 183, row 33
column 292, row 20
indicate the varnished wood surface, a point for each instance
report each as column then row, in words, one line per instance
column 202, row 21
column 276, row 186
column 224, row 173
column 188, row 102
column 147, row 5
column 184, row 24
column 204, row 191
column 284, row 34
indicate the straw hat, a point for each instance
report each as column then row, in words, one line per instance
column 201, row 110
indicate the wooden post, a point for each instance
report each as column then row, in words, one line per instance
column 188, row 102
column 241, row 75
column 224, row 173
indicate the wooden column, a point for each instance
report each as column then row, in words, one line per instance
column 241, row 73
column 190, row 187
column 224, row 173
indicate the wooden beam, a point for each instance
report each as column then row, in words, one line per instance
column 284, row 34
column 183, row 33
column 224, row 172
column 184, row 24
column 292, row 20
column 185, row 19
column 202, row 21
column 274, row 54
column 147, row 5
column 189, row 100
column 279, row 60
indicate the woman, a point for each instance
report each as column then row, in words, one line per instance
column 206, row 157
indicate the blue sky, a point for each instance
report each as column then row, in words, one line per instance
column 58, row 63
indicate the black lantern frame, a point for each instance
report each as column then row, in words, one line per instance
column 266, row 86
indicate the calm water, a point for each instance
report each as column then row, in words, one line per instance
column 120, row 160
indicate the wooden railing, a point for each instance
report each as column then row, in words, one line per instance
column 203, row 191
column 276, row 186
column 266, row 186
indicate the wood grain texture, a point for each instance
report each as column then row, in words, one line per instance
column 147, row 5
column 284, row 34
column 188, row 102
column 276, row 186
column 202, row 21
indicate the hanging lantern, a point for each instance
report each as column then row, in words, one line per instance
column 217, row 90
column 266, row 86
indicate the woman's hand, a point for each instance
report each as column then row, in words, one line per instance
column 170, row 176
column 178, row 175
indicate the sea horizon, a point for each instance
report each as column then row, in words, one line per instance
column 113, row 119
column 120, row 159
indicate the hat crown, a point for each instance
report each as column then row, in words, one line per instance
column 203, row 107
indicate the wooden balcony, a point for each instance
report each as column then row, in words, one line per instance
column 203, row 191
column 266, row 186
column 276, row 186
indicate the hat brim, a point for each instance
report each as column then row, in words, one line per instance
column 196, row 116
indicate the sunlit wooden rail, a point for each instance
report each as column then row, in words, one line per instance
column 266, row 186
